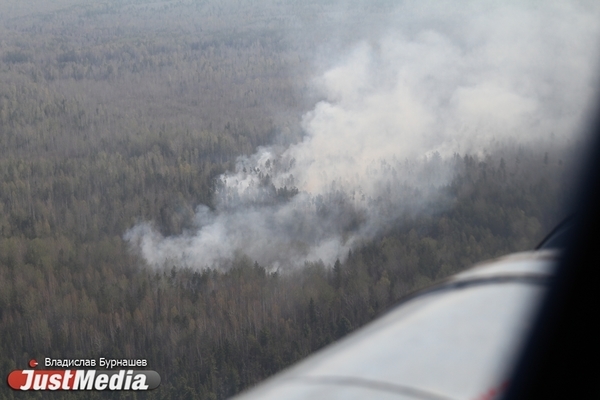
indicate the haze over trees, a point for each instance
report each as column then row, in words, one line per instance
column 119, row 112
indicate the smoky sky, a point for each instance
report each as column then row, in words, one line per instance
column 400, row 95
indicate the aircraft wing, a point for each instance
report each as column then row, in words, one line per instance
column 456, row 340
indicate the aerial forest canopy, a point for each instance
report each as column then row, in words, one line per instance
column 171, row 117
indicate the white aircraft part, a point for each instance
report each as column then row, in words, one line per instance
column 455, row 341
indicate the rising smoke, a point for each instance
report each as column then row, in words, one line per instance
column 396, row 108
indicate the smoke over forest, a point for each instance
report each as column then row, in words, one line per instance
column 397, row 106
column 240, row 138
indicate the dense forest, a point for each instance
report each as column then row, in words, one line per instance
column 110, row 116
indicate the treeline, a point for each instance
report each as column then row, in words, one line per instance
column 112, row 76
column 111, row 114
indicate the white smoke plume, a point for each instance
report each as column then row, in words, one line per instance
column 440, row 81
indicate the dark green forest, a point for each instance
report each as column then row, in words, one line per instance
column 111, row 115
